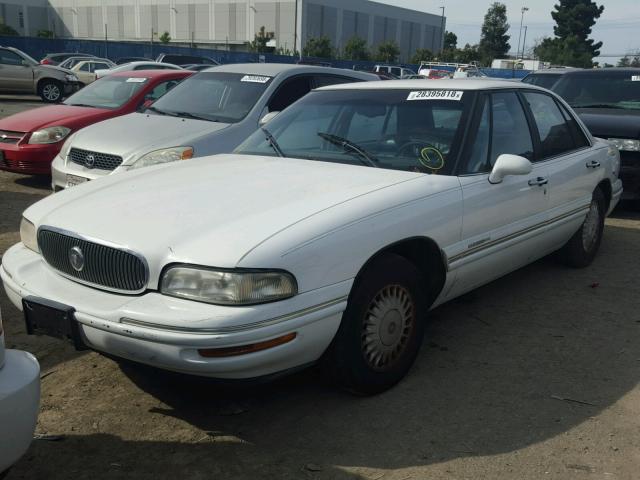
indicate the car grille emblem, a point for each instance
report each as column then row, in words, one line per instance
column 76, row 258
column 89, row 161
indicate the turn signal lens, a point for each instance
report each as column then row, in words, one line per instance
column 244, row 349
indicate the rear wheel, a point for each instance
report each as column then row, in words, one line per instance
column 51, row 91
column 381, row 330
column 581, row 249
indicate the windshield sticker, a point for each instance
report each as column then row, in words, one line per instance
column 136, row 80
column 436, row 95
column 255, row 79
column 635, row 78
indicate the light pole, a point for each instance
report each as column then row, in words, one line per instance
column 522, row 10
column 524, row 41
column 442, row 30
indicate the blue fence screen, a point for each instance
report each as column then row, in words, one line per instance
column 39, row 47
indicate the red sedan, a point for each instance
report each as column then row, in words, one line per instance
column 29, row 141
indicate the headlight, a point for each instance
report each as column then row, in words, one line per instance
column 627, row 145
column 163, row 155
column 227, row 287
column 49, row 135
column 70, row 78
column 28, row 235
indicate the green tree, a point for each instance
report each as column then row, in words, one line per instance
column 45, row 34
column 450, row 41
column 468, row 54
column 260, row 40
column 387, row 51
column 8, row 30
column 494, row 41
column 422, row 55
column 356, row 49
column 165, row 37
column 318, row 47
column 571, row 45
column 629, row 61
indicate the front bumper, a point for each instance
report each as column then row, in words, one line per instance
column 19, row 403
column 27, row 158
column 72, row 87
column 61, row 169
column 167, row 332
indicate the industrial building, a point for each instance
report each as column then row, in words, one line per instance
column 229, row 24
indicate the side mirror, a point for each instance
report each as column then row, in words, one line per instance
column 507, row 164
column 268, row 117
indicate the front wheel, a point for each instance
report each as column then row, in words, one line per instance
column 382, row 327
column 51, row 91
column 581, row 249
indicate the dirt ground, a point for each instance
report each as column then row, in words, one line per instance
column 534, row 376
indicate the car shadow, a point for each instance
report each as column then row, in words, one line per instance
column 40, row 182
column 13, row 205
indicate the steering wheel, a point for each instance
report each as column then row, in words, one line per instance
column 428, row 156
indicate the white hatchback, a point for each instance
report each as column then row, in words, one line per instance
column 325, row 238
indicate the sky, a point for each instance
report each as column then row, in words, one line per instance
column 617, row 28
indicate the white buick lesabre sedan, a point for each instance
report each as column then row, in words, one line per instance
column 325, row 238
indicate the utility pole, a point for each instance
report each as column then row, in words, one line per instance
column 522, row 10
column 295, row 30
column 524, row 42
column 106, row 42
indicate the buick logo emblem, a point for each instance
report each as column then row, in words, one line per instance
column 76, row 258
column 89, row 161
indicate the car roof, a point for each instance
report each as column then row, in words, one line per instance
column 554, row 71
column 273, row 69
column 444, row 84
column 604, row 71
column 152, row 73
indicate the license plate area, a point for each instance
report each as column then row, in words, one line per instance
column 45, row 317
column 73, row 180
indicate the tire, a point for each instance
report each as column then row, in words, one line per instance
column 51, row 91
column 369, row 353
column 581, row 249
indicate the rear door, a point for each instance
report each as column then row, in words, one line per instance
column 502, row 223
column 14, row 76
column 573, row 166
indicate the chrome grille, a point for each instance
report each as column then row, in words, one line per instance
column 103, row 266
column 8, row 136
column 89, row 159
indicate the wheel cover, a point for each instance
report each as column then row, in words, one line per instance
column 51, row 91
column 387, row 327
column 590, row 227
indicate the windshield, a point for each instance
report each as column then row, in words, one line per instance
column 601, row 90
column 109, row 92
column 214, row 96
column 544, row 80
column 411, row 130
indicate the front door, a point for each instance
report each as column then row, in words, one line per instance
column 14, row 75
column 503, row 223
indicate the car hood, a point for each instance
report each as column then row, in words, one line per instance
column 50, row 116
column 135, row 134
column 53, row 67
column 208, row 211
column 611, row 123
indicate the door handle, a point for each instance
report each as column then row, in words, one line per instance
column 593, row 164
column 538, row 181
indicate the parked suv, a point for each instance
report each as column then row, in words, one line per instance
column 211, row 112
column 608, row 102
column 19, row 73
column 399, row 72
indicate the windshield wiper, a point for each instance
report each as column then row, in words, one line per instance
column 599, row 105
column 348, row 145
column 157, row 110
column 189, row 115
column 272, row 141
column 81, row 105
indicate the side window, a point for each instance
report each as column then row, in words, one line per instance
column 9, row 58
column 579, row 138
column 479, row 150
column 555, row 136
column 160, row 90
column 396, row 71
column 100, row 66
column 288, row 92
column 324, row 80
column 85, row 67
column 510, row 130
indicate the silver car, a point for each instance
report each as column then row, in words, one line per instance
column 210, row 112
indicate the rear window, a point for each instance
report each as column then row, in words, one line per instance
column 544, row 80
column 618, row 90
